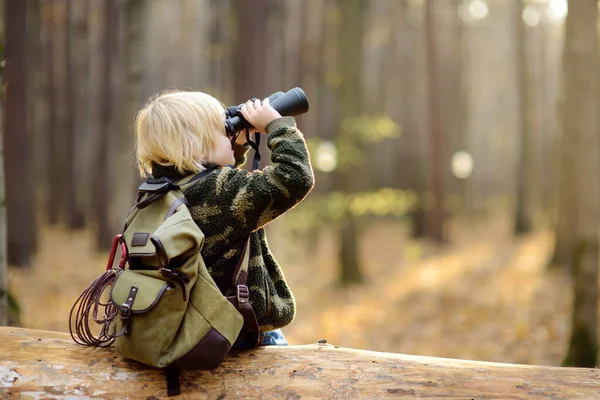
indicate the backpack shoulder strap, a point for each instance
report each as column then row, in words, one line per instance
column 187, row 182
column 240, row 273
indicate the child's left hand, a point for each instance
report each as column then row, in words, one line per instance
column 259, row 114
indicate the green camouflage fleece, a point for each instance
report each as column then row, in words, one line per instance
column 229, row 204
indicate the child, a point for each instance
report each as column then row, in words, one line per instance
column 183, row 133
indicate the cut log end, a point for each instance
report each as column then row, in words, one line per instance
column 45, row 364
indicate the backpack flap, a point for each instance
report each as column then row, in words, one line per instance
column 176, row 231
column 137, row 292
column 179, row 235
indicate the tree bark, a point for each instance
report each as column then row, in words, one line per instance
column 48, row 364
column 524, row 214
column 21, row 237
column 582, row 101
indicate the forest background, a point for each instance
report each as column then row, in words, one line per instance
column 455, row 143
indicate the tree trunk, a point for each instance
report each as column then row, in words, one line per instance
column 89, row 150
column 59, row 172
column 73, row 215
column 50, row 199
column 21, row 235
column 36, row 95
column 582, row 100
column 49, row 365
column 3, row 267
column 76, row 55
column 350, row 106
column 565, row 225
column 250, row 68
column 524, row 214
column 417, row 123
column 106, row 133
column 437, row 170
column 123, row 156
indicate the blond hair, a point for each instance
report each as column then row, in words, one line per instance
column 178, row 128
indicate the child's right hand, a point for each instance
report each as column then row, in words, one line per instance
column 259, row 115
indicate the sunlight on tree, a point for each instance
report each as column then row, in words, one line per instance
column 531, row 16
column 557, row 10
column 473, row 10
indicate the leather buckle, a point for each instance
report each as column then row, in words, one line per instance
column 243, row 294
column 126, row 311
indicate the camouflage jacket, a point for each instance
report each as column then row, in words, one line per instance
column 229, row 204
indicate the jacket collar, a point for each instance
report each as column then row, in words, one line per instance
column 169, row 171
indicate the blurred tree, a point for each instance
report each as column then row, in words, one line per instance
column 437, row 157
column 92, row 86
column 77, row 54
column 3, row 274
column 525, row 184
column 221, row 54
column 60, row 149
column 349, row 99
column 124, row 173
column 36, row 94
column 107, row 127
column 394, row 86
column 565, row 225
column 21, row 237
column 581, row 126
column 417, row 123
column 73, row 104
column 250, row 55
column 451, row 71
column 47, row 145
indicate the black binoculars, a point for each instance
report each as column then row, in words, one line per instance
column 293, row 102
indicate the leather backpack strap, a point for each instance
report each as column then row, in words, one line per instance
column 173, row 386
column 240, row 273
column 250, row 330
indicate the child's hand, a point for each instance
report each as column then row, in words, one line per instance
column 259, row 115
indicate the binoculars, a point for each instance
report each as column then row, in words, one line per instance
column 290, row 103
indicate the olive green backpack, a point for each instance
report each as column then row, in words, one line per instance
column 164, row 309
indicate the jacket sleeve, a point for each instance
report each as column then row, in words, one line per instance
column 255, row 198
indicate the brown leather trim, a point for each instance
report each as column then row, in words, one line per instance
column 175, row 205
column 250, row 326
column 207, row 354
column 141, row 254
column 140, row 239
column 161, row 254
column 120, row 307
column 162, row 291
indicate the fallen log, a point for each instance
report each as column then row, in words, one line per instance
column 44, row 364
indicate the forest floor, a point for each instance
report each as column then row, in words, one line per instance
column 487, row 296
